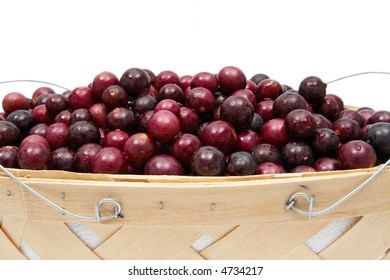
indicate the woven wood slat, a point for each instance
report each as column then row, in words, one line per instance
column 264, row 241
column 367, row 239
column 54, row 240
column 8, row 250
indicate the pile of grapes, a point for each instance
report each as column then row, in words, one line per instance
column 204, row 125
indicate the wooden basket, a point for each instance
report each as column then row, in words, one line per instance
column 177, row 217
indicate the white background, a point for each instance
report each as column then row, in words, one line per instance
column 69, row 42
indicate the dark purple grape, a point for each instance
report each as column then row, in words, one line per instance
column 34, row 156
column 246, row 140
column 297, row 153
column 274, row 132
column 230, row 79
column 81, row 133
column 56, row 103
column 303, row 168
column 300, row 124
column 201, row 100
column 268, row 89
column 257, row 123
column 8, row 156
column 286, row 103
column 22, row 119
column 189, row 120
column 329, row 108
column 81, row 97
column 379, row 116
column 183, row 147
column 115, row 96
column 164, row 126
column 15, row 101
column 143, row 120
column 325, row 142
column 246, row 93
column 208, row 161
column 121, row 118
column 378, row 136
column 238, row 111
column 63, row 159
column 327, row 164
column 241, row 164
column 80, row 115
column 346, row 129
column 102, row 81
column 143, row 103
column 206, row 80
column 39, row 92
column 64, row 117
column 135, row 81
column 339, row 101
column 352, row 114
column 266, row 153
column 99, row 113
column 166, row 77
column 265, row 109
column 9, row 134
column 109, row 160
column 313, row 89
column 270, row 168
column 38, row 129
column 56, row 135
column 84, row 156
column 163, row 165
column 257, row 78
column 356, row 154
column 322, row 122
column 221, row 135
column 171, row 91
column 139, row 149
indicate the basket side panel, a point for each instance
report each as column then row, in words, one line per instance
column 8, row 250
column 263, row 241
column 150, row 242
column 367, row 239
column 54, row 240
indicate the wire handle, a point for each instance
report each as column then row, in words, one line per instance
column 97, row 218
column 359, row 74
column 292, row 201
column 33, row 81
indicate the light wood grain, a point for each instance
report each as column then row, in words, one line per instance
column 8, row 250
column 149, row 242
column 188, row 254
column 13, row 226
column 54, row 240
column 367, row 239
column 264, row 241
column 301, row 253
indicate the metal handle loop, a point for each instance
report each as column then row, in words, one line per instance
column 98, row 217
column 292, row 201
